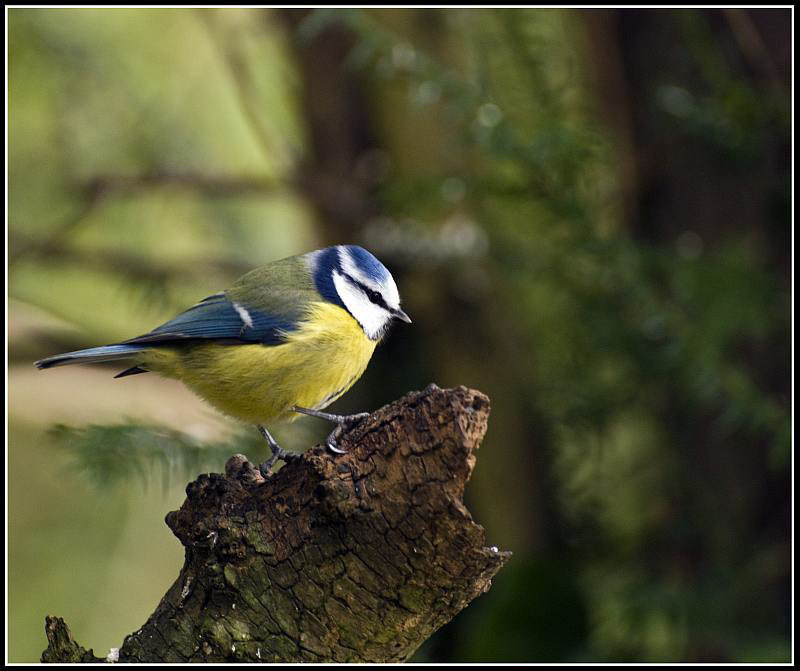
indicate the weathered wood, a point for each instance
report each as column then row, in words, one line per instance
column 353, row 557
column 61, row 647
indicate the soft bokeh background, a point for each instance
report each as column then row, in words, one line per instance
column 588, row 214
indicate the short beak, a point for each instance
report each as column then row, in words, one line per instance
column 399, row 314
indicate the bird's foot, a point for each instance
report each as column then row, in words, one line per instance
column 277, row 453
column 343, row 423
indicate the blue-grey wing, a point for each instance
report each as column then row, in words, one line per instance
column 220, row 319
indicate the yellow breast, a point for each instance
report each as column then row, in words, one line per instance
column 319, row 361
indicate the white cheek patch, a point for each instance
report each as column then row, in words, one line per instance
column 390, row 293
column 373, row 318
column 387, row 288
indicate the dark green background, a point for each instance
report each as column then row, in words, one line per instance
column 587, row 213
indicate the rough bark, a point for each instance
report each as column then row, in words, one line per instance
column 61, row 647
column 354, row 557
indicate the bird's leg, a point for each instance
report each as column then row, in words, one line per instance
column 343, row 422
column 277, row 453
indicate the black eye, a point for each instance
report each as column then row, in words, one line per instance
column 374, row 296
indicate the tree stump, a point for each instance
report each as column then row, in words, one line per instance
column 357, row 557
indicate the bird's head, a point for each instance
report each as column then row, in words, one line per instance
column 354, row 279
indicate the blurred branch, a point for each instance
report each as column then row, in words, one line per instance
column 95, row 190
column 339, row 122
column 243, row 89
column 357, row 558
column 90, row 196
column 752, row 45
column 607, row 81
column 136, row 266
column 518, row 45
column 209, row 185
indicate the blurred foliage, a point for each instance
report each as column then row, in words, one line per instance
column 613, row 270
column 109, row 456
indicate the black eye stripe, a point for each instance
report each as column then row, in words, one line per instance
column 373, row 295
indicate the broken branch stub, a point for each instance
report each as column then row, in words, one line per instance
column 354, row 557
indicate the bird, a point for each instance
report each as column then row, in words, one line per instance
column 285, row 339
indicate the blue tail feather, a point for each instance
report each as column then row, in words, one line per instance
column 92, row 355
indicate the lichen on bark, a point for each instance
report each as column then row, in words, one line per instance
column 347, row 558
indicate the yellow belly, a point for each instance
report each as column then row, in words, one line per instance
column 260, row 384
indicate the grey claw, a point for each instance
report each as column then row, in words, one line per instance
column 277, row 453
column 265, row 469
column 343, row 423
column 336, row 450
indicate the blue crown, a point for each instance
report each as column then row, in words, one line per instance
column 367, row 263
column 329, row 260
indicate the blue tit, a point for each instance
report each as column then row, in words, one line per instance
column 288, row 338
